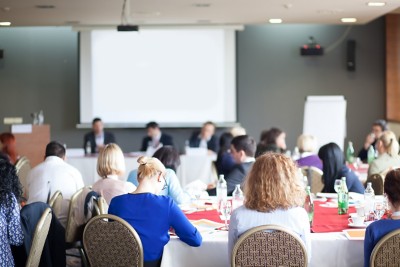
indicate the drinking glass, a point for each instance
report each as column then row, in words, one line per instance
column 338, row 184
column 225, row 209
column 379, row 209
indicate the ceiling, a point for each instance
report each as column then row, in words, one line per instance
column 184, row 12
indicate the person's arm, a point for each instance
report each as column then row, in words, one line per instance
column 373, row 168
column 175, row 190
column 368, row 245
column 233, row 234
column 183, row 228
column 14, row 229
column 353, row 183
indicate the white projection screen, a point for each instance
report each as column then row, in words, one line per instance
column 172, row 76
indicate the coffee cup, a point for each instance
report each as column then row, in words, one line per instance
column 357, row 220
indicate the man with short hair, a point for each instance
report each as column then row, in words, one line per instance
column 378, row 127
column 155, row 138
column 205, row 137
column 51, row 175
column 97, row 138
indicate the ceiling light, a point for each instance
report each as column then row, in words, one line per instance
column 376, row 4
column 5, row 23
column 45, row 6
column 275, row 21
column 348, row 20
column 202, row 5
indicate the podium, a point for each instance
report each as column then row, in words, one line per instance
column 33, row 144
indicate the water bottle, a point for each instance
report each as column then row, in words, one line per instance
column 296, row 153
column 369, row 198
column 237, row 197
column 343, row 198
column 88, row 148
column 309, row 205
column 350, row 153
column 222, row 190
column 370, row 154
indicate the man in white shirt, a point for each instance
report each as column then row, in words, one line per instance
column 51, row 175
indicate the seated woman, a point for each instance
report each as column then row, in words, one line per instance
column 110, row 167
column 307, row 145
column 152, row 215
column 272, row 140
column 376, row 230
column 334, row 167
column 273, row 194
column 8, row 146
column 388, row 150
column 225, row 162
column 10, row 230
column 170, row 158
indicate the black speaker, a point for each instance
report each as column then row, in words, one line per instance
column 1, row 53
column 351, row 55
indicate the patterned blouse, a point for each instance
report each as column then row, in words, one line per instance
column 10, row 230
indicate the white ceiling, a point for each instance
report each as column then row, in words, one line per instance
column 184, row 12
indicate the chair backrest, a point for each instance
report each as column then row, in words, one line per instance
column 72, row 233
column 386, row 251
column 55, row 203
column 100, row 206
column 314, row 176
column 377, row 183
column 269, row 245
column 39, row 238
column 23, row 166
column 110, row 241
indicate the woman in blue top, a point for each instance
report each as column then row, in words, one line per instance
column 334, row 167
column 10, row 224
column 376, row 230
column 152, row 215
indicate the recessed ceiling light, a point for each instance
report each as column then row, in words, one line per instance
column 275, row 21
column 202, row 5
column 376, row 4
column 45, row 6
column 348, row 20
column 5, row 23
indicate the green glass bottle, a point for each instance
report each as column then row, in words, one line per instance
column 343, row 198
column 350, row 153
column 370, row 154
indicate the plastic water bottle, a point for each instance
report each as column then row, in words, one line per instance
column 237, row 197
column 369, row 198
column 343, row 198
column 350, row 153
column 88, row 148
column 370, row 154
column 222, row 190
column 309, row 205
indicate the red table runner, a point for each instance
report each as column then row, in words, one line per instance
column 328, row 219
column 211, row 215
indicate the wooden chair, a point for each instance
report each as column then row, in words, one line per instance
column 386, row 251
column 23, row 166
column 269, row 245
column 110, row 241
column 314, row 176
column 377, row 183
column 55, row 203
column 39, row 238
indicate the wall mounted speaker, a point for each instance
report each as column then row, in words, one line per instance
column 351, row 55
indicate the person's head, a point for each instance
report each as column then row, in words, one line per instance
column 9, row 182
column 378, row 127
column 391, row 188
column 97, row 126
column 110, row 161
column 168, row 156
column 274, row 136
column 273, row 183
column 242, row 147
column 151, row 171
column 54, row 148
column 306, row 143
column 237, row 130
column 208, row 130
column 387, row 143
column 8, row 146
column 332, row 163
column 225, row 142
column 153, row 129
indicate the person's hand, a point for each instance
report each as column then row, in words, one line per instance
column 211, row 186
column 369, row 140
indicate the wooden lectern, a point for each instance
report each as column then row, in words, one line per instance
column 33, row 145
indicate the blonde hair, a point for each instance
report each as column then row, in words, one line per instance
column 237, row 130
column 110, row 161
column 148, row 167
column 273, row 183
column 306, row 143
column 389, row 142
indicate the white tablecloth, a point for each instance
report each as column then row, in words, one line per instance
column 328, row 250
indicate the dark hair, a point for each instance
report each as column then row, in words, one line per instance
column 209, row 123
column 270, row 136
column 152, row 124
column 332, row 161
column 9, row 182
column 245, row 143
column 95, row 120
column 382, row 124
column 392, row 186
column 225, row 142
column 54, row 148
column 168, row 156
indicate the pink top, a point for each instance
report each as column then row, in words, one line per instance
column 111, row 187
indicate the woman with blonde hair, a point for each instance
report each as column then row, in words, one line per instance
column 388, row 151
column 152, row 215
column 110, row 168
column 307, row 145
column 273, row 195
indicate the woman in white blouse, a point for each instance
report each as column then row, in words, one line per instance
column 110, row 167
column 273, row 195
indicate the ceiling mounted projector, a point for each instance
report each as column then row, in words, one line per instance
column 312, row 48
column 128, row 28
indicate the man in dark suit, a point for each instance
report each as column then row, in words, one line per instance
column 243, row 149
column 155, row 137
column 205, row 137
column 97, row 138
